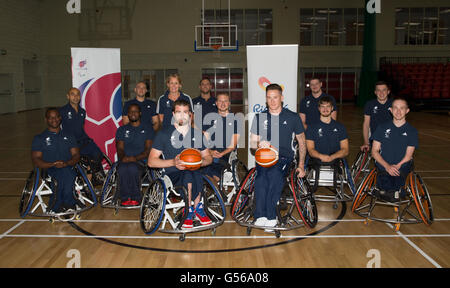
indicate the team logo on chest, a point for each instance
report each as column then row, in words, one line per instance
column 69, row 115
column 266, row 124
column 48, row 141
column 320, row 132
column 308, row 103
column 387, row 133
column 127, row 134
column 375, row 110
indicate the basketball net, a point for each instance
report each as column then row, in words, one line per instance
column 216, row 50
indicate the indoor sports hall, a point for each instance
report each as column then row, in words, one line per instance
column 346, row 44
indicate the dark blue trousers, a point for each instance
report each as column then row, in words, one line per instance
column 184, row 177
column 130, row 180
column 390, row 183
column 269, row 184
column 65, row 180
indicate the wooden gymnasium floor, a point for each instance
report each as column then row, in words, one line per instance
column 346, row 242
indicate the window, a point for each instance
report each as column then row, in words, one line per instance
column 331, row 26
column 155, row 80
column 341, row 83
column 254, row 25
column 229, row 80
column 422, row 26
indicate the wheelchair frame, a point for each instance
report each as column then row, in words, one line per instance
column 229, row 179
column 327, row 178
column 37, row 186
column 109, row 197
column 163, row 207
column 299, row 199
column 416, row 193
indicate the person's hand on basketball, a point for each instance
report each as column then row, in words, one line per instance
column 178, row 164
column 264, row 144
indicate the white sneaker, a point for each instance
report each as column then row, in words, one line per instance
column 261, row 221
column 271, row 223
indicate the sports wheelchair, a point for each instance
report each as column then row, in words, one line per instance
column 110, row 196
column 335, row 176
column 164, row 206
column 412, row 203
column 231, row 177
column 38, row 188
column 296, row 207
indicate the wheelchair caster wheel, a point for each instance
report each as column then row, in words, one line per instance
column 249, row 231
column 277, row 234
column 397, row 227
column 335, row 206
column 116, row 211
column 51, row 220
column 182, row 237
column 367, row 222
column 213, row 232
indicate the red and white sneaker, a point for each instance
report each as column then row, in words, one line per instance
column 189, row 222
column 201, row 215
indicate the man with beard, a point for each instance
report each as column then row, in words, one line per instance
column 205, row 103
column 133, row 143
column 327, row 139
column 394, row 143
column 310, row 104
column 56, row 150
column 165, row 153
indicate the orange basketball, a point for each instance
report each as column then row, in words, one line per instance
column 191, row 159
column 266, row 157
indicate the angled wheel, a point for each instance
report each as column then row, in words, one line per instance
column 27, row 196
column 358, row 169
column 421, row 198
column 239, row 172
column 363, row 188
column 243, row 197
column 152, row 207
column 304, row 200
column 214, row 206
column 109, row 190
column 83, row 191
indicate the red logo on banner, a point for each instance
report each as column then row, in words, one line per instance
column 103, row 104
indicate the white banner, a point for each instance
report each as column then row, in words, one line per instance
column 96, row 72
column 266, row 65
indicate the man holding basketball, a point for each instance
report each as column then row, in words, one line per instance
column 277, row 127
column 165, row 153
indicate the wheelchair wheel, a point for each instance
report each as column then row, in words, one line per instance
column 239, row 172
column 244, row 196
column 358, row 169
column 364, row 188
column 214, row 206
column 28, row 192
column 84, row 193
column 421, row 198
column 304, row 200
column 152, row 207
column 109, row 190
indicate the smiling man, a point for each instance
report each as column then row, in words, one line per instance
column 394, row 143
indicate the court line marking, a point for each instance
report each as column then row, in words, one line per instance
column 232, row 237
column 11, row 229
column 405, row 237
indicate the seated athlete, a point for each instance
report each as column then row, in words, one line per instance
column 224, row 136
column 277, row 126
column 73, row 117
column 394, row 143
column 133, row 143
column 376, row 112
column 56, row 150
column 165, row 153
column 327, row 139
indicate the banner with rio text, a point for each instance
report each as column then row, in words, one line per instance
column 269, row 64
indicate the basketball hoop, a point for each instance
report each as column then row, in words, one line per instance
column 216, row 47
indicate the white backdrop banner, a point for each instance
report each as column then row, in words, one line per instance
column 266, row 65
column 96, row 72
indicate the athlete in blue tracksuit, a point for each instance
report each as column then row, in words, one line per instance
column 376, row 112
column 278, row 127
column 204, row 104
column 72, row 121
column 56, row 150
column 168, row 144
column 133, row 143
column 148, row 107
column 393, row 147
